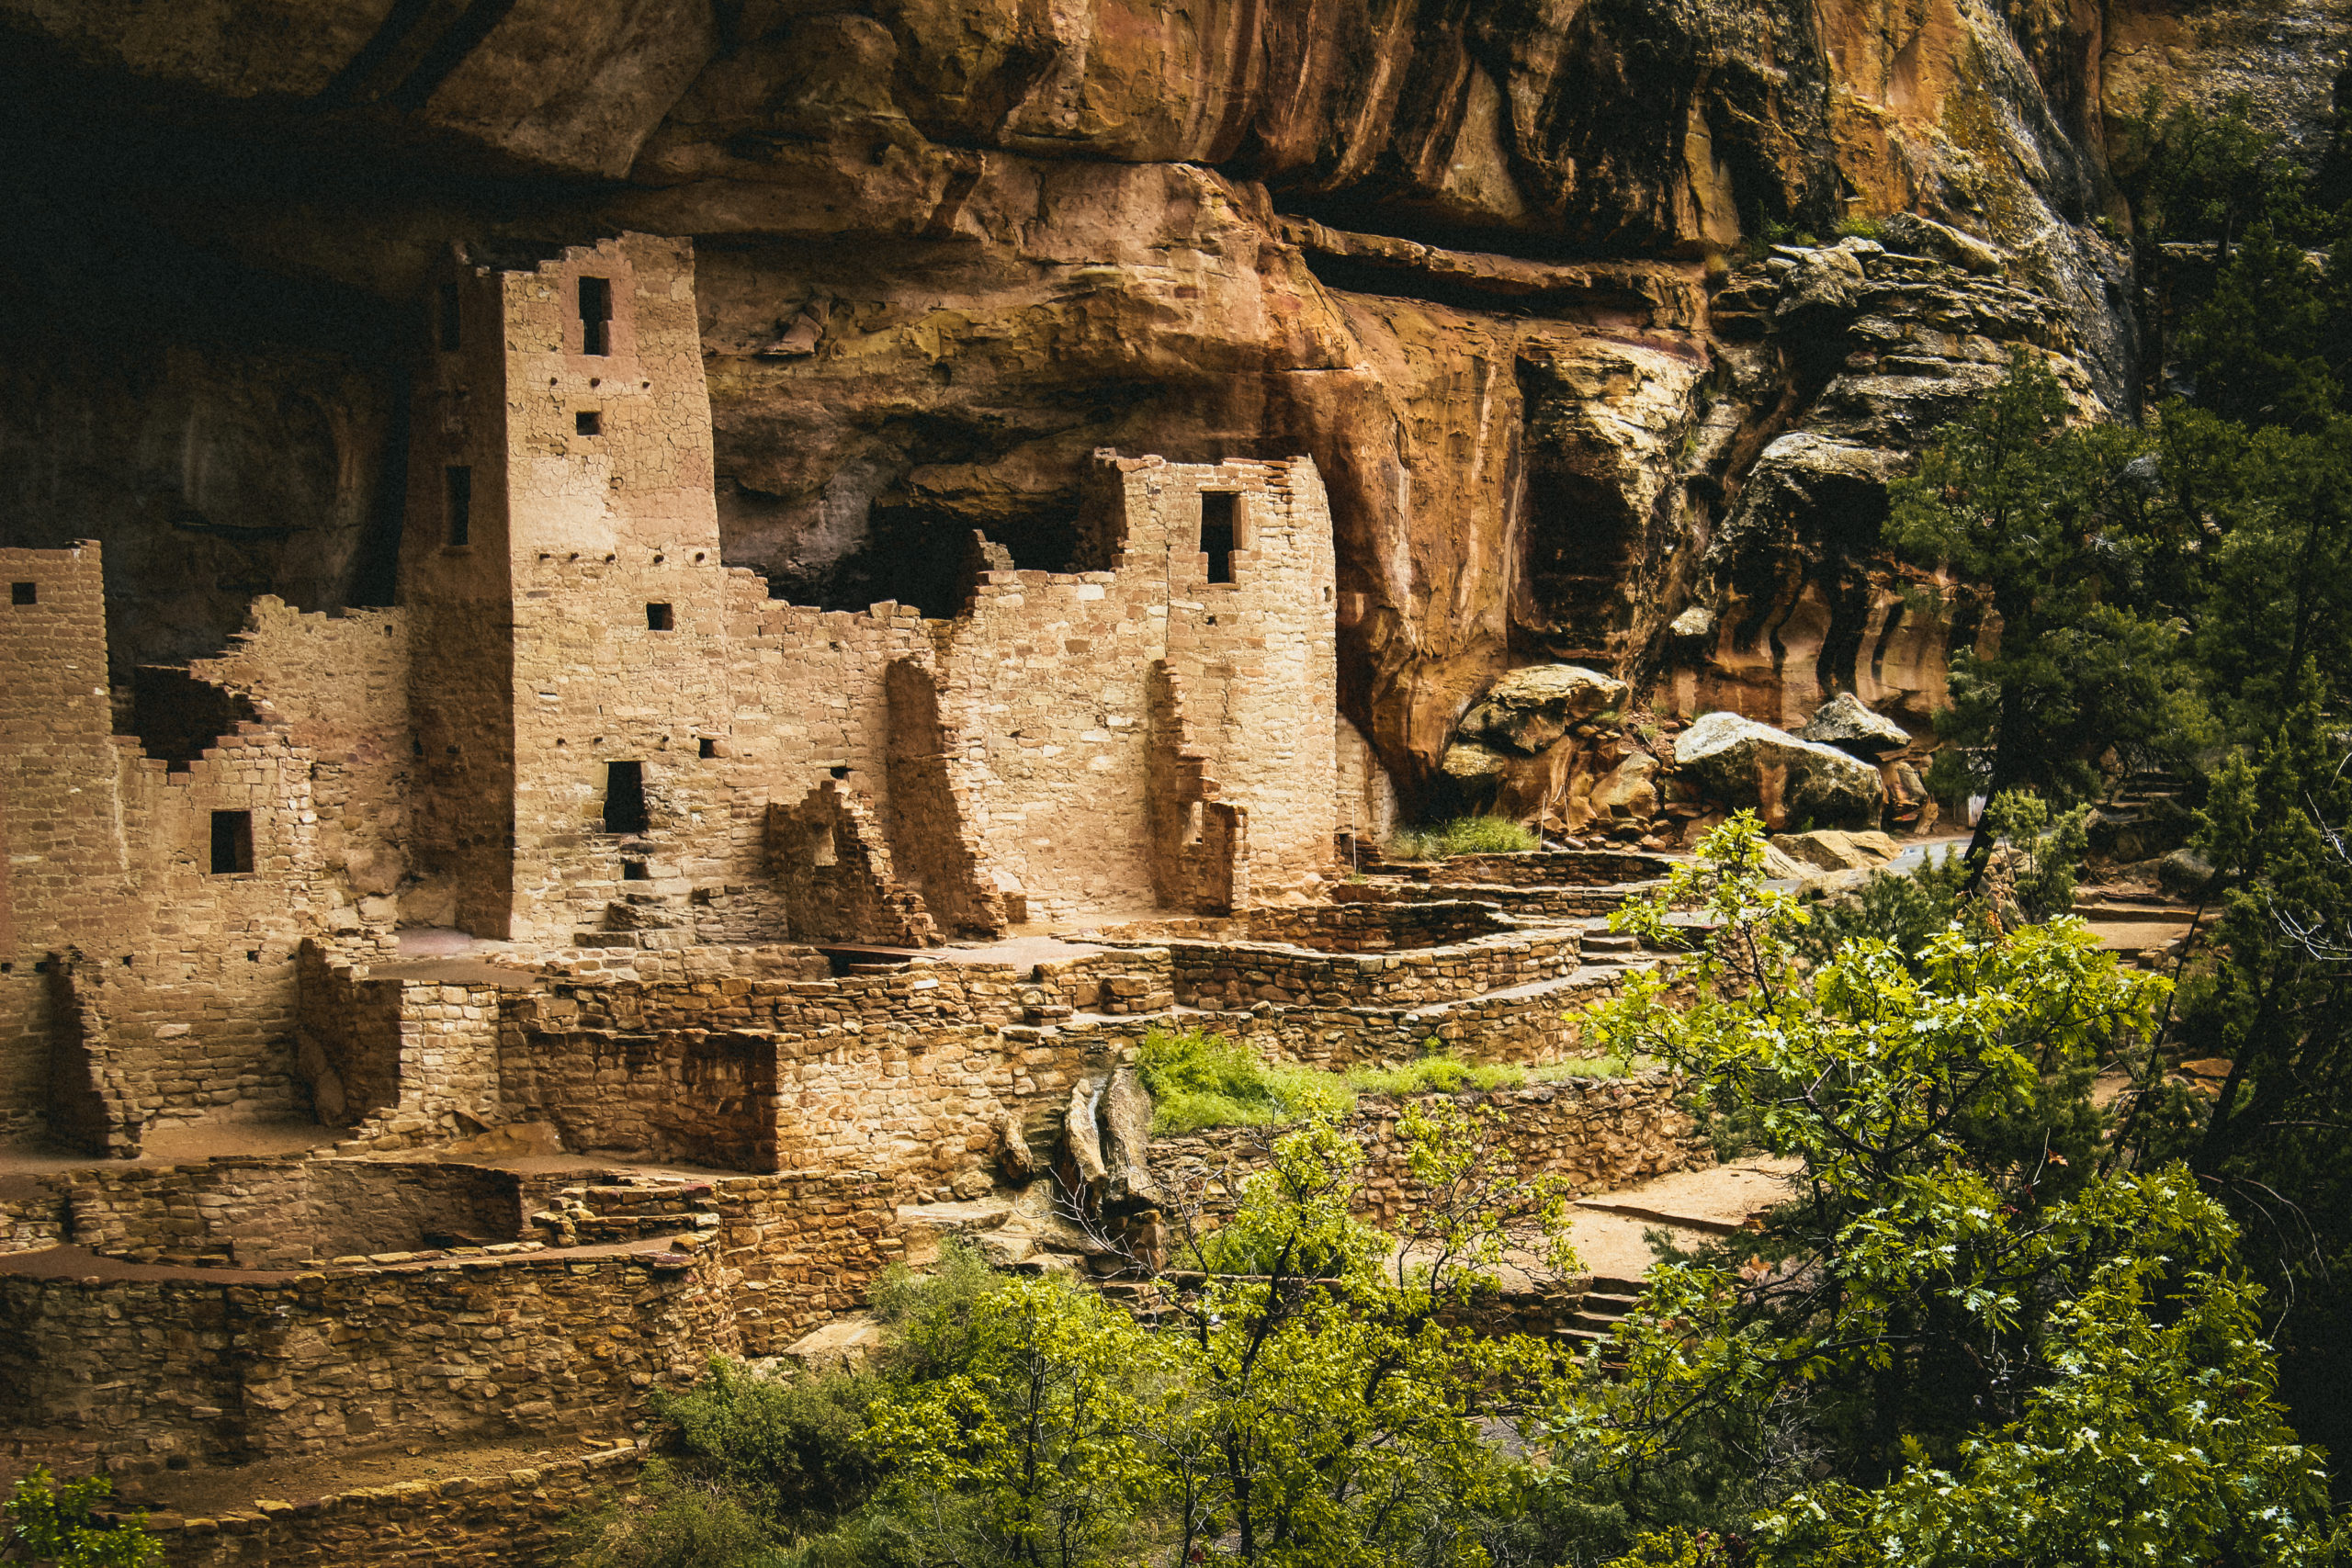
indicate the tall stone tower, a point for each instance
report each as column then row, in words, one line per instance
column 561, row 559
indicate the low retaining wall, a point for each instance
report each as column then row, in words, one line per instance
column 1218, row 977
column 262, row 1212
column 1362, row 926
column 518, row 1518
column 1549, row 868
column 479, row 1348
column 1598, row 1133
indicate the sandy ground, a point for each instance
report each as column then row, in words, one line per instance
column 1693, row 1206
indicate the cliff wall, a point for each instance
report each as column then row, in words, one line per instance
column 1503, row 271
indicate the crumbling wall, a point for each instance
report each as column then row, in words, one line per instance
column 272, row 1213
column 839, row 880
column 1238, row 975
column 1200, row 844
column 338, row 684
column 520, row 1515
column 929, row 810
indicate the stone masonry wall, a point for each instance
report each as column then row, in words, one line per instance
column 1366, row 927
column 705, row 1097
column 517, row 1516
column 1230, row 976
column 320, row 1363
column 1596, row 1133
column 252, row 1213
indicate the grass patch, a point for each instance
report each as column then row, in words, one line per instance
column 1199, row 1078
column 1464, row 836
column 1439, row 1074
column 1444, row 1073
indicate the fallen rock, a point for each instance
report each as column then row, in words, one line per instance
column 1528, row 709
column 2184, row 872
column 1080, row 1138
column 1126, row 1142
column 846, row 1342
column 1789, row 782
column 1828, row 849
column 1844, row 722
column 1630, row 790
column 1012, row 1153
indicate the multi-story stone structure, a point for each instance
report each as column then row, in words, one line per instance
column 580, row 729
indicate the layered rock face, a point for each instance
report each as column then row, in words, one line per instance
column 1507, row 272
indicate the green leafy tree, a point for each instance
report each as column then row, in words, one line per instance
column 55, row 1521
column 2052, row 528
column 2001, row 1353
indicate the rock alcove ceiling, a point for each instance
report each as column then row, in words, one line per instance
column 1501, row 271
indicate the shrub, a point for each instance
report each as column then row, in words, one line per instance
column 1859, row 227
column 54, row 1520
column 789, row 1450
column 1464, row 836
column 1198, row 1078
column 686, row 1522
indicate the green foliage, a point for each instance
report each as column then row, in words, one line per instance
column 53, row 1521
column 1199, row 1078
column 1315, row 1411
column 1859, row 228
column 789, row 1450
column 2056, row 528
column 2192, row 174
column 1437, row 1072
column 684, row 1522
column 1951, row 1259
column 1464, row 836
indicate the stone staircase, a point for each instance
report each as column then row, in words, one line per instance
column 1607, row 1300
column 635, row 1208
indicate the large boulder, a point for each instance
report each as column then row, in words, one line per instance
column 1827, row 849
column 1791, row 783
column 1528, row 709
column 1844, row 722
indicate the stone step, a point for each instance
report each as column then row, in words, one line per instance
column 1611, row 942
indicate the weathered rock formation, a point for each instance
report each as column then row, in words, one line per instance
column 1504, row 272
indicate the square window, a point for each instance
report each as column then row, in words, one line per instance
column 588, row 421
column 233, row 843
column 635, row 871
column 24, row 593
column 659, row 619
column 706, row 747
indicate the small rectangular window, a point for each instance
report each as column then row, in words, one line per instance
column 635, row 871
column 659, row 619
column 707, row 748
column 588, row 421
column 458, row 503
column 233, row 843
column 595, row 315
column 452, row 324
column 625, row 797
column 1217, row 533
column 24, row 593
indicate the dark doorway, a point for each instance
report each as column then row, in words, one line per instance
column 1217, row 532
column 625, row 797
column 595, row 315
